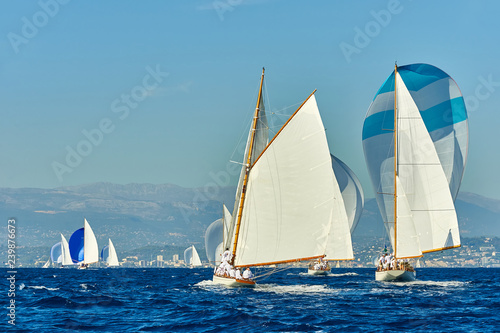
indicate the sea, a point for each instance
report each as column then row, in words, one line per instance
column 186, row 300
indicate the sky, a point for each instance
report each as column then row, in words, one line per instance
column 163, row 91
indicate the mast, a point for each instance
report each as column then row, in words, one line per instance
column 395, row 157
column 245, row 179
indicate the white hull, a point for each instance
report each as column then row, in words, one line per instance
column 395, row 275
column 318, row 271
column 232, row 282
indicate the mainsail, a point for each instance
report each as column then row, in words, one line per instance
column 191, row 256
column 83, row 245
column 108, row 254
column 287, row 201
column 65, row 254
column 418, row 180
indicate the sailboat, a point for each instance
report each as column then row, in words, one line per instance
column 108, row 255
column 83, row 246
column 285, row 200
column 415, row 139
column 59, row 253
column 214, row 237
column 191, row 257
column 353, row 200
column 47, row 264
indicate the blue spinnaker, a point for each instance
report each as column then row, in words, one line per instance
column 76, row 243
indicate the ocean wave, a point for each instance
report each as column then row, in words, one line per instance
column 295, row 289
column 42, row 287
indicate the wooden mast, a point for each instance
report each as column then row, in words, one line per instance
column 395, row 158
column 248, row 162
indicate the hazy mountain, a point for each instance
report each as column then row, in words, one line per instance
column 137, row 215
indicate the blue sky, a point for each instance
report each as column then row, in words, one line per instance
column 72, row 67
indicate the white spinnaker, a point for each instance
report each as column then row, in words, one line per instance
column 112, row 259
column 90, row 247
column 226, row 221
column 423, row 178
column 218, row 253
column 408, row 244
column 66, row 256
column 289, row 200
column 339, row 246
column 213, row 237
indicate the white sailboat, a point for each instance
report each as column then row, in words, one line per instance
column 191, row 257
column 83, row 246
column 285, row 200
column 47, row 264
column 108, row 255
column 413, row 190
column 65, row 254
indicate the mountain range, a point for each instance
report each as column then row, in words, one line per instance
column 137, row 215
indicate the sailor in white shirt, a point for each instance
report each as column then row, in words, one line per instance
column 247, row 274
column 232, row 272
column 238, row 273
column 226, row 256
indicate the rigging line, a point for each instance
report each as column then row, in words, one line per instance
column 249, row 115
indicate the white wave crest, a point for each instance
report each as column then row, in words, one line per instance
column 296, row 289
column 41, row 287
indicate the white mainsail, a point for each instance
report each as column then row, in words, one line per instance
column 191, row 256
column 112, row 259
column 66, row 256
column 289, row 201
column 47, row 264
column 90, row 249
column 423, row 180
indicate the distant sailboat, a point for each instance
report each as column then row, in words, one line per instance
column 59, row 253
column 65, row 254
column 83, row 246
column 191, row 257
column 285, row 199
column 415, row 141
column 47, row 264
column 215, row 235
column 108, row 255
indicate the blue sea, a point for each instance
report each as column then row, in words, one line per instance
column 186, row 300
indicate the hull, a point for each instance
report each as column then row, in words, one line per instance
column 395, row 275
column 232, row 282
column 318, row 271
